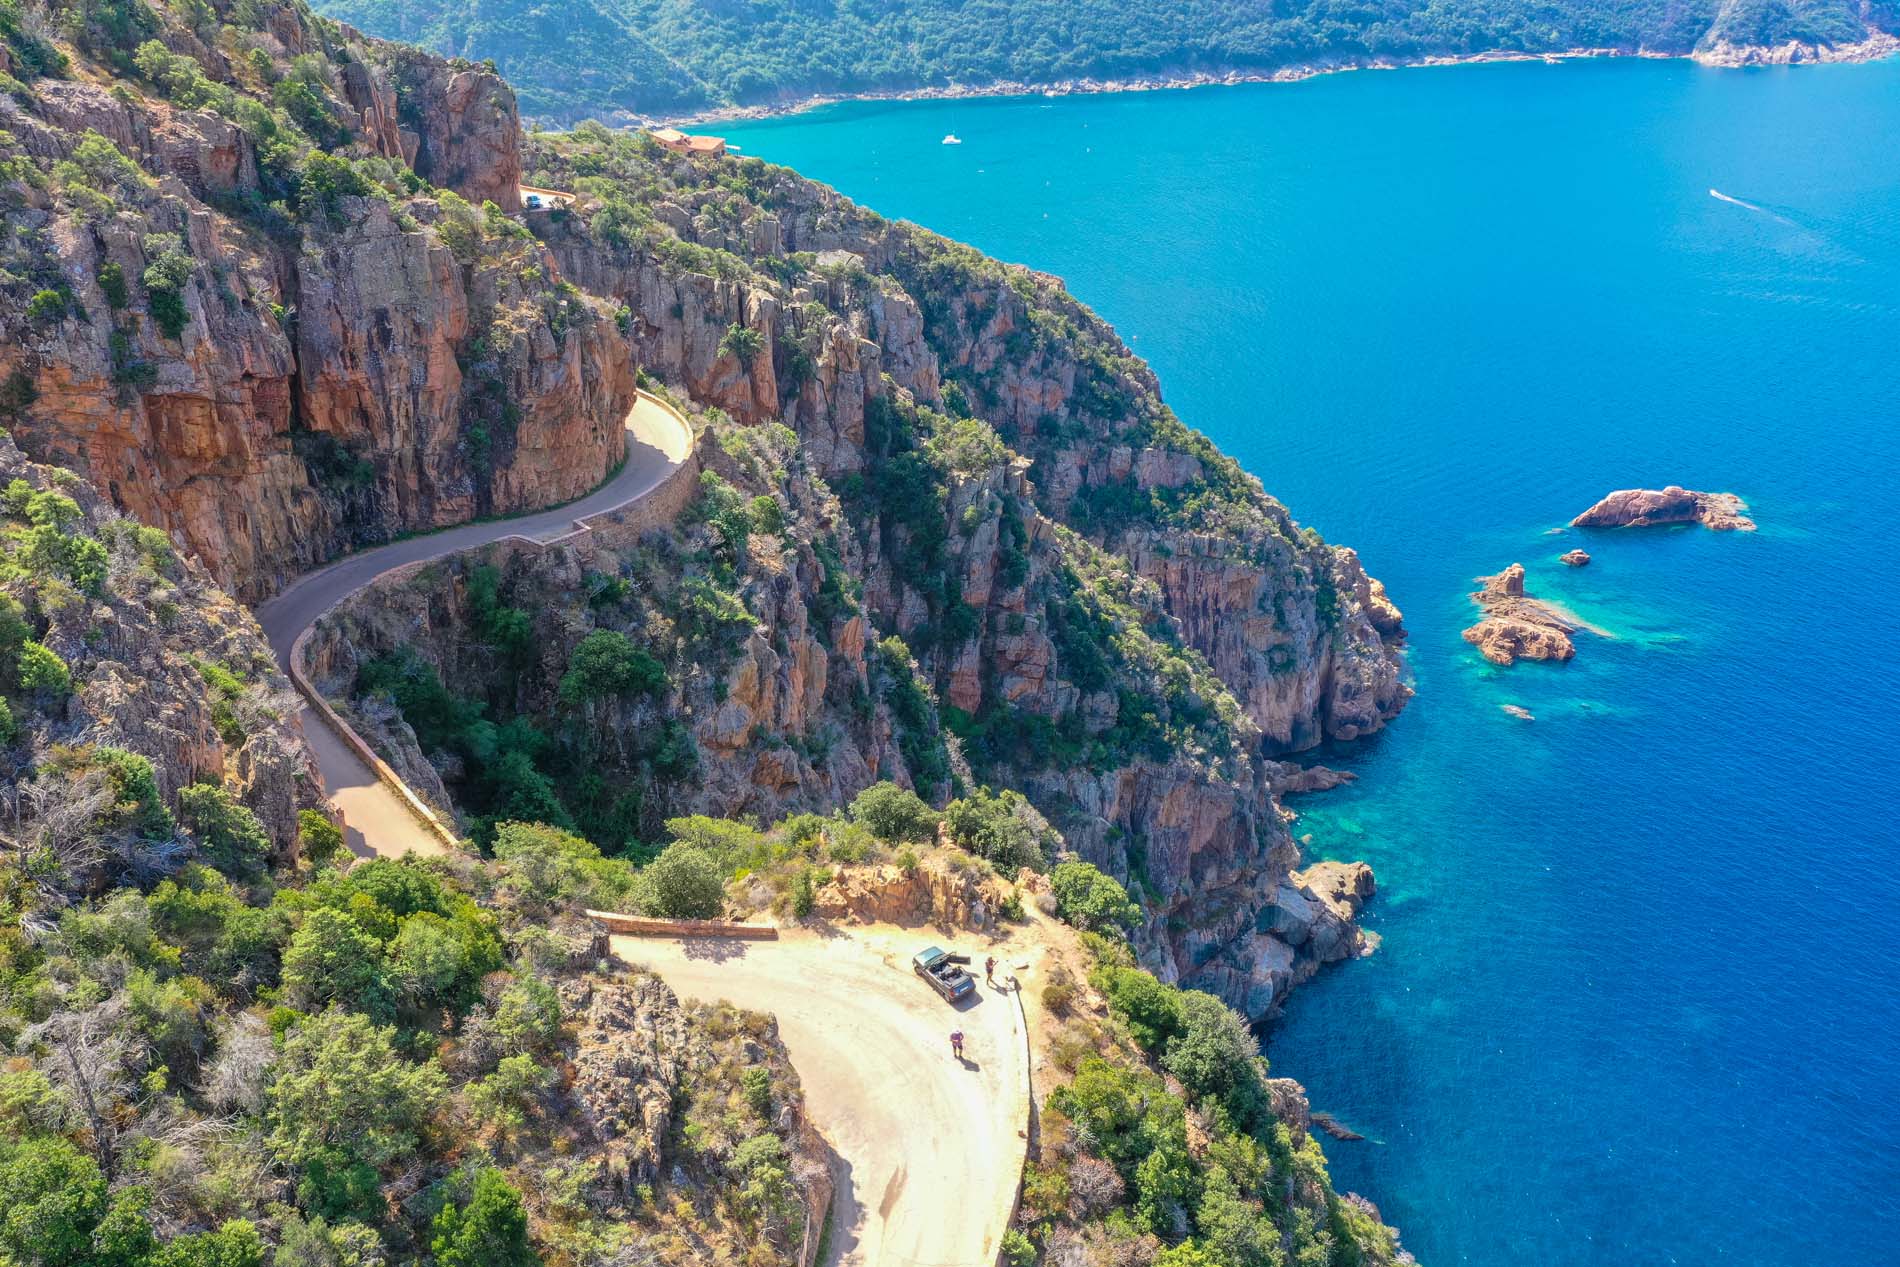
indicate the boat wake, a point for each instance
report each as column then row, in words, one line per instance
column 1745, row 205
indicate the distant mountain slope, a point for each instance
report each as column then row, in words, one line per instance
column 568, row 58
column 614, row 58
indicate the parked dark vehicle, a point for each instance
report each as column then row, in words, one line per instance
column 945, row 972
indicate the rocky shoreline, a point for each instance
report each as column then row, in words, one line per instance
column 1878, row 45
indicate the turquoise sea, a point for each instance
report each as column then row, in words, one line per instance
column 1637, row 1001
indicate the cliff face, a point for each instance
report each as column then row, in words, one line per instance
column 992, row 553
column 877, row 343
column 1305, row 639
column 156, row 660
column 278, row 362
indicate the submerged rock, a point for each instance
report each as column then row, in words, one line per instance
column 1648, row 507
column 1516, row 627
column 1331, row 1125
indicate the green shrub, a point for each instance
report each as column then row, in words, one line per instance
column 341, row 1089
column 528, row 1017
column 766, row 515
column 804, row 896
column 112, row 283
column 338, row 1186
column 893, row 814
column 849, row 842
column 505, row 1097
column 552, row 867
column 319, row 839
column 996, row 826
column 1152, row 1010
column 98, row 164
column 137, row 803
column 491, row 1230
column 326, row 179
column 46, row 307
column 1091, row 900
column 165, row 279
column 757, row 1083
column 41, row 669
column 606, row 663
column 227, row 831
column 684, row 884
column 1215, row 1055
column 742, row 343
column 52, row 1197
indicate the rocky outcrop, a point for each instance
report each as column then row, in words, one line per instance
column 1516, row 627
column 1644, row 508
column 1310, row 920
column 934, row 892
column 632, row 1054
column 1305, row 639
column 1723, row 52
column 459, row 126
column 330, row 378
column 1574, row 558
column 141, row 651
column 644, row 1067
column 1288, row 776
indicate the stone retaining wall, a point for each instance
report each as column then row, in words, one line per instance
column 640, row 926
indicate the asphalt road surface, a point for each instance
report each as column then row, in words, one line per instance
column 377, row 820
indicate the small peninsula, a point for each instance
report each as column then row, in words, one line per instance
column 1649, row 507
column 1516, row 627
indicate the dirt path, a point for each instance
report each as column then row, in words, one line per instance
column 930, row 1149
column 376, row 820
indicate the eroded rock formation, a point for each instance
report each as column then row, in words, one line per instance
column 329, row 379
column 1516, row 627
column 1647, row 507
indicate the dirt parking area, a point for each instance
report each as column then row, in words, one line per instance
column 930, row 1147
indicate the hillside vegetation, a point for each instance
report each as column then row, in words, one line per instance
column 604, row 58
column 948, row 556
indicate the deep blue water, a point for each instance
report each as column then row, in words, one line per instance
column 1637, row 999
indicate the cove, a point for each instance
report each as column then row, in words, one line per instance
column 1636, row 1001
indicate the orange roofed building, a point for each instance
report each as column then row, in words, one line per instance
column 684, row 143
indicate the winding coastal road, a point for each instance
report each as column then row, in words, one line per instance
column 377, row 819
column 928, row 1148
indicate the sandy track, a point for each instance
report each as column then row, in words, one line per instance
column 930, row 1149
column 376, row 821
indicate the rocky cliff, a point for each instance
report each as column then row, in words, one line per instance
column 269, row 296
column 113, row 642
column 272, row 357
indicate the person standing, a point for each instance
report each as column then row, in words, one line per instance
column 956, row 1044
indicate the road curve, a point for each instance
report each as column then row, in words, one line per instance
column 929, row 1148
column 377, row 819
